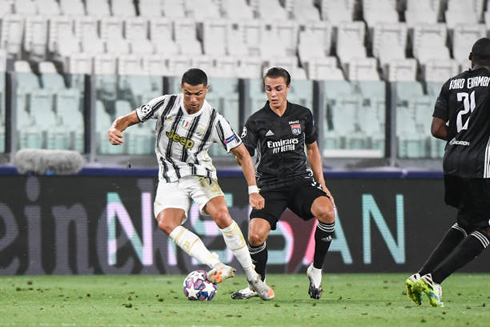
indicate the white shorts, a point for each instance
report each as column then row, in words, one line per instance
column 179, row 194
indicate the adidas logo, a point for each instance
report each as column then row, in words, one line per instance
column 269, row 133
column 327, row 239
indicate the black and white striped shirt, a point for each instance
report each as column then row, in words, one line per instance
column 183, row 140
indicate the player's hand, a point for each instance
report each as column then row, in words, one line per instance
column 115, row 136
column 256, row 201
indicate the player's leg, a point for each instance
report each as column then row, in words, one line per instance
column 454, row 188
column 171, row 204
column 235, row 241
column 313, row 202
column 474, row 212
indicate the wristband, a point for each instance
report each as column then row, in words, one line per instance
column 253, row 189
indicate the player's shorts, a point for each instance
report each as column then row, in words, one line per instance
column 471, row 196
column 179, row 194
column 298, row 198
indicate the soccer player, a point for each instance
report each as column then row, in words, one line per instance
column 280, row 132
column 462, row 118
column 186, row 127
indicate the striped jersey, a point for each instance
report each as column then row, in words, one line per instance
column 183, row 140
column 464, row 103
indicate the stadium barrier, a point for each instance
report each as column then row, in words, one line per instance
column 101, row 221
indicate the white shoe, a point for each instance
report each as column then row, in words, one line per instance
column 264, row 291
column 315, row 292
column 244, row 294
column 220, row 273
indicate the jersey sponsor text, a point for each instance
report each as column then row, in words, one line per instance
column 186, row 143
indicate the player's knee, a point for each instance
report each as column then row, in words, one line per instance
column 222, row 218
column 326, row 215
column 166, row 227
column 256, row 239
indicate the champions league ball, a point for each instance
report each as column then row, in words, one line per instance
column 196, row 286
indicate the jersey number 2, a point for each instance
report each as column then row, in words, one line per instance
column 469, row 106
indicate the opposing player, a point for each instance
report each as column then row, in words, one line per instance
column 461, row 117
column 279, row 132
column 186, row 127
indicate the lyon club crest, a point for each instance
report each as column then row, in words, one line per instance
column 296, row 129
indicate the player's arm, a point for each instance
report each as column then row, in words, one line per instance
column 315, row 159
column 438, row 128
column 119, row 125
column 245, row 161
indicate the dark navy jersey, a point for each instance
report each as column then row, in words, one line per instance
column 280, row 144
column 464, row 104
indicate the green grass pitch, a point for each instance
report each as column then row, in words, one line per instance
column 348, row 300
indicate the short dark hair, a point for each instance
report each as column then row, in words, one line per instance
column 481, row 50
column 195, row 76
column 275, row 72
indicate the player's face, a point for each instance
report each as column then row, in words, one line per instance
column 194, row 96
column 277, row 92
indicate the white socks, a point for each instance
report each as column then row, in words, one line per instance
column 192, row 245
column 236, row 243
column 316, row 275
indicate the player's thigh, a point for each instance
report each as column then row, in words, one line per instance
column 453, row 189
column 202, row 190
column 474, row 210
column 302, row 198
column 171, row 195
column 275, row 203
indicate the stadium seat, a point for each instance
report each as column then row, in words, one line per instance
column 177, row 65
column 225, row 66
column 429, row 42
column 7, row 8
column 86, row 31
column 137, row 33
column 25, row 7
column 36, row 37
column 288, row 34
column 161, row 35
column 303, row 11
column 155, row 65
column 129, row 65
column 422, row 12
column 98, row 8
column 341, row 131
column 440, row 71
column 214, row 37
column 173, row 9
column 249, row 67
column 463, row 38
column 270, row 9
column 150, row 8
column 401, row 70
column 314, row 41
column 50, row 79
column 11, row 34
column 26, row 79
column 205, row 63
column 463, row 12
column 105, row 64
column 80, row 63
column 301, row 92
column 337, row 11
column 350, row 41
column 48, row 8
column 237, row 10
column 202, row 10
column 123, row 8
column 72, row 7
column 389, row 42
column 111, row 31
column 270, row 44
column 379, row 11
column 243, row 38
column 186, row 37
column 288, row 63
column 60, row 25
column 324, row 69
column 67, row 105
column 364, row 69
column 410, row 143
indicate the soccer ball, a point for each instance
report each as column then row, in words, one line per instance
column 197, row 286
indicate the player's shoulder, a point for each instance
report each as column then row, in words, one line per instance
column 297, row 109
